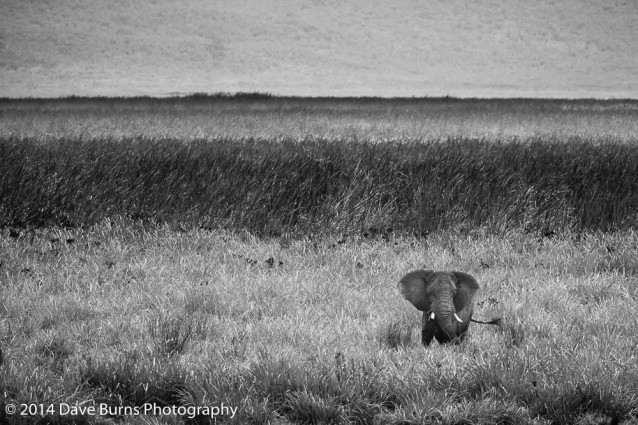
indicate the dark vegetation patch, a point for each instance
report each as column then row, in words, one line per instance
column 132, row 380
column 321, row 186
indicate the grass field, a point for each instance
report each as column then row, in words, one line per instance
column 260, row 116
column 127, row 282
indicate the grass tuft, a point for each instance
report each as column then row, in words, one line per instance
column 513, row 334
column 397, row 334
column 54, row 352
column 305, row 407
column 132, row 380
column 171, row 333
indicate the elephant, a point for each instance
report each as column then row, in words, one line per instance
column 446, row 300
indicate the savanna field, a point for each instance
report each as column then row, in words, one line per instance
column 234, row 259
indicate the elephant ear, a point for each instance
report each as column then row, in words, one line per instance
column 466, row 287
column 413, row 288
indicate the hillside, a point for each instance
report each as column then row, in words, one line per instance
column 483, row 48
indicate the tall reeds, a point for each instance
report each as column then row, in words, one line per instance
column 321, row 185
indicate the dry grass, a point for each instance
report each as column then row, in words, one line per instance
column 312, row 330
column 306, row 326
column 258, row 116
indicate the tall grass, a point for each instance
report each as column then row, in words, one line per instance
column 128, row 315
column 322, row 186
column 118, row 286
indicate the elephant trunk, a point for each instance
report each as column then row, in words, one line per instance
column 444, row 311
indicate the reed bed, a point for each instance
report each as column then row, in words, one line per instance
column 312, row 186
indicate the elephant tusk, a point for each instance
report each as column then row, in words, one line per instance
column 457, row 318
column 432, row 316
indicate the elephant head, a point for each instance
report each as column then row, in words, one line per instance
column 446, row 300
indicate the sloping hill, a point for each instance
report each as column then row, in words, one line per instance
column 572, row 48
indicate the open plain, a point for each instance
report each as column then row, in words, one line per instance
column 241, row 253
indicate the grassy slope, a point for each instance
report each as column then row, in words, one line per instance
column 568, row 48
column 313, row 330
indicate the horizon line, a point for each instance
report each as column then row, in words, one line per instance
column 270, row 96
